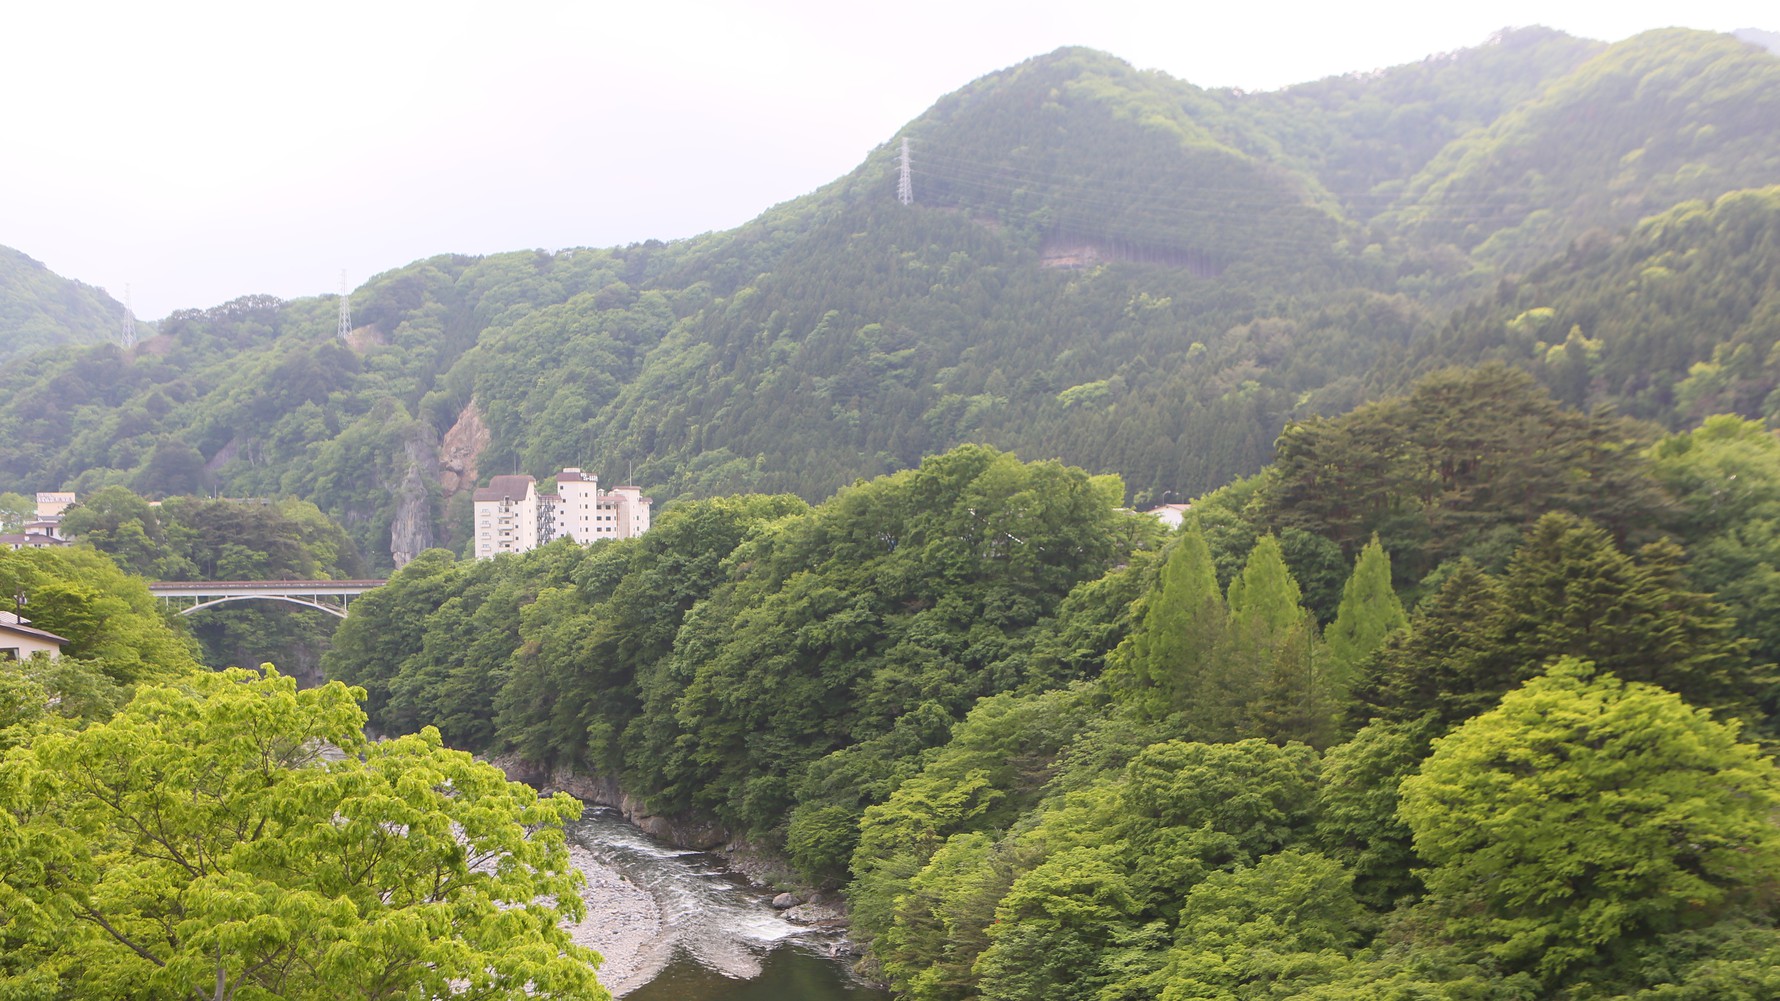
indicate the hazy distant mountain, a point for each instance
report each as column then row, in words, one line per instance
column 40, row 309
column 1769, row 40
column 1109, row 266
column 1657, row 119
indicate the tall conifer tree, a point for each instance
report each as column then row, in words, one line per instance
column 1171, row 656
column 1370, row 612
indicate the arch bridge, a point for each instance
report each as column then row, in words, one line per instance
column 330, row 596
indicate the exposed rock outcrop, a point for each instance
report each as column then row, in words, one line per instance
column 459, row 450
column 687, row 832
column 411, row 531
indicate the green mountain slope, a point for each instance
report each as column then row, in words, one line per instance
column 1660, row 118
column 40, row 309
column 1101, row 265
column 1675, row 321
column 1364, row 135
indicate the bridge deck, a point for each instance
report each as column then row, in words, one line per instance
column 244, row 588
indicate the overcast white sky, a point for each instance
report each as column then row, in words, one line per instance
column 200, row 152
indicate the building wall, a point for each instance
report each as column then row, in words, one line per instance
column 20, row 646
column 498, row 527
column 579, row 510
column 51, row 504
column 580, row 502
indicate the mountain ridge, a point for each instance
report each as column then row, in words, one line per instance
column 1101, row 264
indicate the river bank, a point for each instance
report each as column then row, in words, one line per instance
column 626, row 922
column 623, row 924
column 663, row 916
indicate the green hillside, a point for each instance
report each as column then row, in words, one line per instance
column 40, row 309
column 1106, row 266
column 1658, row 119
column 1675, row 321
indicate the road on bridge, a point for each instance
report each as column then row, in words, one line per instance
column 330, row 596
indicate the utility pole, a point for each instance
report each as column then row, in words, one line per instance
column 345, row 328
column 128, row 336
column 905, row 187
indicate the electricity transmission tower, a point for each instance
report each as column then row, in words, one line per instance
column 345, row 327
column 905, row 187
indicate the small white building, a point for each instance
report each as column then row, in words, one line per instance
column 18, row 641
column 511, row 516
column 51, row 504
column 1171, row 515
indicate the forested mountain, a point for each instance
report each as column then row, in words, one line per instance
column 1109, row 266
column 40, row 309
column 1675, row 321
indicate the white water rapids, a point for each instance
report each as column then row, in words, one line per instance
column 648, row 904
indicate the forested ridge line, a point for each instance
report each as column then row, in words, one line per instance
column 1234, row 261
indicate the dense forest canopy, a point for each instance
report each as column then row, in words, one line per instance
column 1113, row 267
column 1051, row 751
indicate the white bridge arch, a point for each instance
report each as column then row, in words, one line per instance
column 330, row 596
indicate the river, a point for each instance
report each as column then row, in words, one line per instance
column 676, row 926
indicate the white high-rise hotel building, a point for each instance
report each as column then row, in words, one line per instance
column 512, row 517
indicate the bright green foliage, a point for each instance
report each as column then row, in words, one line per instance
column 116, row 635
column 941, row 924
column 1169, row 662
column 1188, row 809
column 1268, row 930
column 1275, row 679
column 1585, row 816
column 1369, row 614
column 1726, row 477
column 1051, row 926
column 202, row 844
column 1265, row 599
column 998, row 759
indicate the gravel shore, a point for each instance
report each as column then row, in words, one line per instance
column 623, row 924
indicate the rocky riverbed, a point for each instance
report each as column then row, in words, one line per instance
column 623, row 924
column 650, row 905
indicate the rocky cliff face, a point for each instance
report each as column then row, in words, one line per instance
column 601, row 791
column 411, row 532
column 458, row 452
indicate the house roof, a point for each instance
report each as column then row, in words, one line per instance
column 503, row 487
column 8, row 627
column 573, row 475
column 34, row 539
